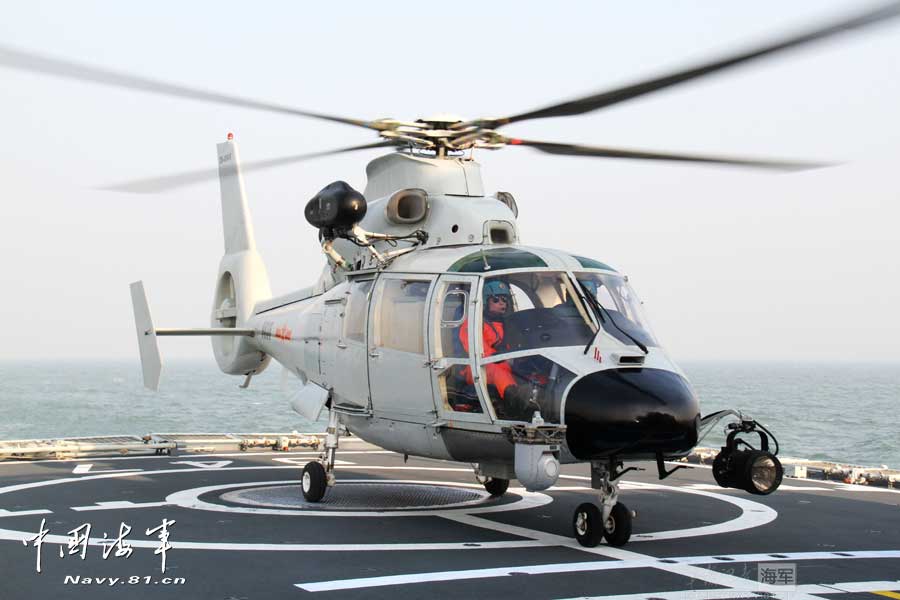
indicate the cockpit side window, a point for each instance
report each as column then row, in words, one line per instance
column 454, row 299
column 622, row 306
column 543, row 312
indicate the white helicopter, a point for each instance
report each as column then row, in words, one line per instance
column 432, row 331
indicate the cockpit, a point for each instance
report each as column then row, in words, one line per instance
column 521, row 326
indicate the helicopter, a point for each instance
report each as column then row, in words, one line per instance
column 402, row 342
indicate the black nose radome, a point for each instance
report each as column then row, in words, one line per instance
column 634, row 413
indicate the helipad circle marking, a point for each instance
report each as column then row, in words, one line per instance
column 753, row 514
column 191, row 499
column 360, row 494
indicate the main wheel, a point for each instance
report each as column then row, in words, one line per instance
column 587, row 524
column 617, row 529
column 496, row 486
column 314, row 482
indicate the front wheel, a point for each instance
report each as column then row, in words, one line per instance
column 617, row 529
column 314, row 482
column 587, row 525
column 496, row 486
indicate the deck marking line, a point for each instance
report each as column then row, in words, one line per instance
column 867, row 586
column 788, row 592
column 117, row 504
column 88, row 468
column 23, row 513
column 747, row 584
column 369, row 582
column 129, row 472
column 737, row 583
column 885, row 593
column 781, row 488
column 244, row 454
column 203, row 464
column 685, row 570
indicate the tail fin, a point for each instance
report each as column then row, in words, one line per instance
column 151, row 364
column 242, row 278
column 236, row 224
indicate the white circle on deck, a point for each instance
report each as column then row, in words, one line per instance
column 753, row 514
column 191, row 499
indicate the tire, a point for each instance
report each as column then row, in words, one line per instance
column 314, row 482
column 496, row 487
column 617, row 529
column 587, row 525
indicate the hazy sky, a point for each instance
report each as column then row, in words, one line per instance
column 731, row 264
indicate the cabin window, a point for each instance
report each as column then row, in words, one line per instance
column 453, row 309
column 401, row 315
column 357, row 308
column 543, row 312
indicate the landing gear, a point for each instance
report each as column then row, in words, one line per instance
column 610, row 520
column 617, row 528
column 588, row 525
column 495, row 486
column 318, row 476
column 314, row 482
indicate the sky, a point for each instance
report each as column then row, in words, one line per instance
column 731, row 264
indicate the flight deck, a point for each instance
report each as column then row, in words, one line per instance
column 234, row 525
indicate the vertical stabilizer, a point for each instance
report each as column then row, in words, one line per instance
column 236, row 223
column 242, row 279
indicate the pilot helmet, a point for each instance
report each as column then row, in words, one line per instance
column 495, row 287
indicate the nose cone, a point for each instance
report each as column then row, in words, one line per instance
column 633, row 413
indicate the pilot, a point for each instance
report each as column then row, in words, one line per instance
column 497, row 303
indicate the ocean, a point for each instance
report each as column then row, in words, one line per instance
column 839, row 412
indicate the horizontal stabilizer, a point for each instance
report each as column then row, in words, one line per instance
column 151, row 364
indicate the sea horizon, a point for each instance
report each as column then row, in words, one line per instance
column 805, row 403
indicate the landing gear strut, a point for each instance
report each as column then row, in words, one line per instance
column 318, row 476
column 610, row 520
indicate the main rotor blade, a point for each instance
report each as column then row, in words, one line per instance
column 171, row 182
column 578, row 150
column 27, row 61
column 608, row 98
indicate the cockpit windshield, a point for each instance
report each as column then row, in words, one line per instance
column 621, row 305
column 533, row 310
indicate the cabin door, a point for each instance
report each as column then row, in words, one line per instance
column 351, row 385
column 399, row 374
column 451, row 327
